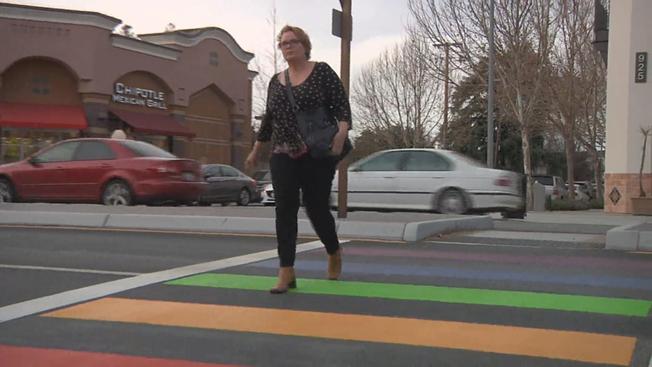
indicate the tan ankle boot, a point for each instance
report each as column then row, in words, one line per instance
column 286, row 280
column 335, row 265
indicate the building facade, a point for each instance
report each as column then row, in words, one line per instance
column 628, row 97
column 65, row 73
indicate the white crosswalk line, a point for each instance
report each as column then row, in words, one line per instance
column 43, row 304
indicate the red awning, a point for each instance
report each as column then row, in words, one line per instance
column 153, row 124
column 42, row 116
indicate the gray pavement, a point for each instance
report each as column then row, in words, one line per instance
column 82, row 297
column 592, row 228
column 181, row 297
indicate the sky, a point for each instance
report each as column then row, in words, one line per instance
column 377, row 24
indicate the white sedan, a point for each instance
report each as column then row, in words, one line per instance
column 431, row 180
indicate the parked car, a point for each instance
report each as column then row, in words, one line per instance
column 267, row 195
column 226, row 185
column 554, row 185
column 109, row 171
column 268, row 199
column 263, row 178
column 431, row 180
column 585, row 190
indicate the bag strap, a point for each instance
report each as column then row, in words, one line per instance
column 288, row 88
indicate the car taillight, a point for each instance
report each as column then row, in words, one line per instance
column 188, row 176
column 166, row 169
column 503, row 181
column 175, row 173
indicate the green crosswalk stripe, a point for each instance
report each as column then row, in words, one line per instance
column 546, row 301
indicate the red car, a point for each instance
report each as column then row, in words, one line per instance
column 109, row 171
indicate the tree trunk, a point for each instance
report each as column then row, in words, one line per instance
column 527, row 163
column 597, row 176
column 641, row 192
column 497, row 145
column 570, row 165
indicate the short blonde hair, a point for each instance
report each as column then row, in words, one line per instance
column 118, row 134
column 302, row 36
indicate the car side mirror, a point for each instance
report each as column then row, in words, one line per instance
column 35, row 161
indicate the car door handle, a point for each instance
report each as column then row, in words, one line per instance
column 389, row 177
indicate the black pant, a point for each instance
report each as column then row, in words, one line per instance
column 314, row 177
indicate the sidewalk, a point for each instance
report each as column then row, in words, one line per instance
column 400, row 226
column 624, row 232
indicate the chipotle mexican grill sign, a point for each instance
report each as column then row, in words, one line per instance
column 139, row 96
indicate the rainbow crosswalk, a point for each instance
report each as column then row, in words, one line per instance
column 585, row 290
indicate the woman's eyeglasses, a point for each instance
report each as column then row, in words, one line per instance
column 288, row 43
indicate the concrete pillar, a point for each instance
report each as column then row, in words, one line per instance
column 629, row 104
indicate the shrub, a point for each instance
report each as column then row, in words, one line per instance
column 597, row 204
column 569, row 205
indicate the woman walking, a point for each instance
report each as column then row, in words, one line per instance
column 294, row 170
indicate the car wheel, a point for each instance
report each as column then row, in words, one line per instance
column 6, row 191
column 117, row 192
column 452, row 201
column 244, row 198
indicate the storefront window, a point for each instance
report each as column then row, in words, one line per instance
column 17, row 144
column 40, row 85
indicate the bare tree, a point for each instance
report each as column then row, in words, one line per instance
column 591, row 108
column 398, row 97
column 267, row 65
column 575, row 32
column 523, row 33
column 127, row 31
column 646, row 133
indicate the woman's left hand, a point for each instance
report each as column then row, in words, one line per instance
column 339, row 139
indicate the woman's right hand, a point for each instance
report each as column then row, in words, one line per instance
column 252, row 160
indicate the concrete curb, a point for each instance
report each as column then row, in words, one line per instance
column 399, row 231
column 53, row 218
column 379, row 230
column 625, row 238
column 417, row 231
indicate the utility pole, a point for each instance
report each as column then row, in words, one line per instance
column 446, row 46
column 491, row 88
column 346, row 30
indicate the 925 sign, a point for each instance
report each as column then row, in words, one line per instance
column 640, row 75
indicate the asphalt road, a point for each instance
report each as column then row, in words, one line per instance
column 130, row 298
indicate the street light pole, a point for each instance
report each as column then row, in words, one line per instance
column 490, row 86
column 345, row 67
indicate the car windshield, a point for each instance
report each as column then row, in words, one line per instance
column 143, row 149
column 467, row 160
column 544, row 180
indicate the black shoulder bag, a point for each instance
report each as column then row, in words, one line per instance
column 317, row 128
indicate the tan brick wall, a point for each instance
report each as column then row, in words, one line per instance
column 628, row 186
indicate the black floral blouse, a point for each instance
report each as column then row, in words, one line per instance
column 321, row 88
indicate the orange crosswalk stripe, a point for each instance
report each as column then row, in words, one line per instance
column 556, row 344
